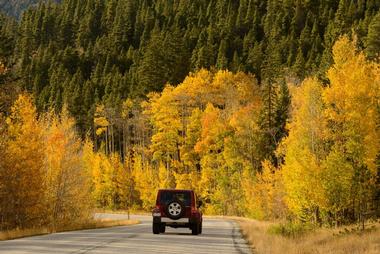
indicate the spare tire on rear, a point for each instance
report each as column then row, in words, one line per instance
column 175, row 209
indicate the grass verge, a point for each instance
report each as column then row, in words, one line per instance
column 93, row 224
column 120, row 211
column 272, row 238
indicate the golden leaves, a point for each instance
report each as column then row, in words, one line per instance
column 333, row 137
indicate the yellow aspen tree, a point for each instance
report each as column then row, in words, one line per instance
column 123, row 185
column 222, row 88
column 268, row 195
column 165, row 177
column 193, row 132
column 54, row 154
column 102, row 126
column 127, row 117
column 304, row 150
column 24, row 165
column 247, row 134
column 129, row 193
column 92, row 164
column 100, row 120
column 196, row 88
column 98, row 180
column 108, row 187
column 242, row 156
column 183, row 180
column 210, row 148
column 4, row 209
column 165, row 119
column 120, row 183
column 193, row 122
column 352, row 102
column 251, row 208
column 67, row 181
column 228, row 179
column 189, row 170
column 96, row 164
column 146, row 182
column 185, row 177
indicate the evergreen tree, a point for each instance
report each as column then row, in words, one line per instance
column 373, row 38
column 222, row 60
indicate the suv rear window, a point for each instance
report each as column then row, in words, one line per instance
column 168, row 196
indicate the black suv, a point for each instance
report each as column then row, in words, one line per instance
column 177, row 209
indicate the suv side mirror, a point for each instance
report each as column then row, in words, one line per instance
column 199, row 204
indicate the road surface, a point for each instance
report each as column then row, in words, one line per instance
column 219, row 236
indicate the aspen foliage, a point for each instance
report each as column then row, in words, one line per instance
column 305, row 150
column 100, row 120
column 165, row 177
column 196, row 129
column 123, row 184
column 43, row 181
column 210, row 148
column 112, row 181
column 3, row 186
column 145, row 182
column 265, row 193
column 165, row 119
column 207, row 134
column 352, row 102
column 23, row 172
column 67, row 181
column 330, row 170
column 238, row 145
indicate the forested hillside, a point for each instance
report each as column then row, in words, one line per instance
column 106, row 51
column 16, row 7
column 206, row 134
column 248, row 102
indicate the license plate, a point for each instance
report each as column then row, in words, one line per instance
column 156, row 214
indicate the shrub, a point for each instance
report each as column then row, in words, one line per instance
column 291, row 229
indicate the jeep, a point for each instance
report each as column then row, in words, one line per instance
column 177, row 209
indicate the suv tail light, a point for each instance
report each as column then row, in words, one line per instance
column 156, row 212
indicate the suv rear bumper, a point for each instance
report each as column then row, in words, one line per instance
column 182, row 222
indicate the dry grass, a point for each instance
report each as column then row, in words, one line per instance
column 121, row 211
column 94, row 224
column 326, row 241
column 19, row 233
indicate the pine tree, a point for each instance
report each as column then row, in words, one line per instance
column 153, row 72
column 299, row 65
column 373, row 38
column 222, row 60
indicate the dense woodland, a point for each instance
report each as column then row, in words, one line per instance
column 16, row 7
column 247, row 102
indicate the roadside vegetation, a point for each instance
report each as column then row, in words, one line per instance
column 265, row 108
column 91, row 224
column 277, row 238
column 212, row 133
column 45, row 185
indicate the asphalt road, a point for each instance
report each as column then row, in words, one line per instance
column 219, row 236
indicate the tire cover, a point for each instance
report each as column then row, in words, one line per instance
column 175, row 209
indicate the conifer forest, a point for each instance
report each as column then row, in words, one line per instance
column 268, row 109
